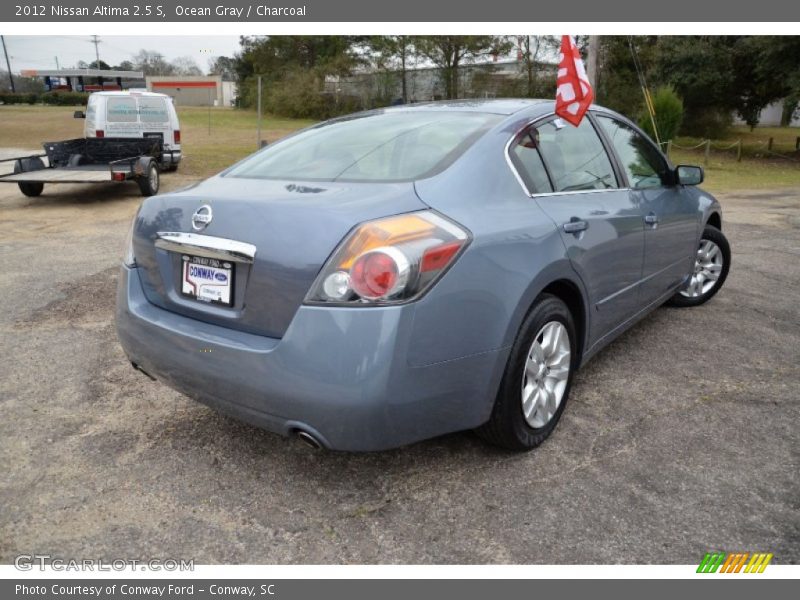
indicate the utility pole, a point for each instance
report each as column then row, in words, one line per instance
column 96, row 41
column 58, row 67
column 8, row 64
column 591, row 60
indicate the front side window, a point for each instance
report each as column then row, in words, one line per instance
column 121, row 110
column 390, row 146
column 574, row 156
column 643, row 163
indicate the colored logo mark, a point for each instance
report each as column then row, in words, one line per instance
column 734, row 562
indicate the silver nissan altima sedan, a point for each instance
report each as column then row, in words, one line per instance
column 398, row 274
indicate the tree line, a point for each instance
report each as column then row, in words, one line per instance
column 715, row 77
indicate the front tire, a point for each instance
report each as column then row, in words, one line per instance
column 537, row 379
column 711, row 266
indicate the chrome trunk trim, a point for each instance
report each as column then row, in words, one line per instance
column 206, row 245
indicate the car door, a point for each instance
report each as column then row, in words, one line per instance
column 670, row 216
column 573, row 180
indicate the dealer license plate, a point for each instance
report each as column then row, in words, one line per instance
column 207, row 280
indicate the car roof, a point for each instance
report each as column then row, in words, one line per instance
column 499, row 106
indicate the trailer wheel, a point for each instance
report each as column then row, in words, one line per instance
column 150, row 181
column 30, row 189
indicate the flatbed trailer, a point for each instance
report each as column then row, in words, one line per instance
column 91, row 160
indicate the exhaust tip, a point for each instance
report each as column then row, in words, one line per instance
column 141, row 370
column 309, row 440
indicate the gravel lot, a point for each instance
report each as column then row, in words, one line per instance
column 679, row 438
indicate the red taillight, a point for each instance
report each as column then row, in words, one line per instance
column 389, row 260
column 374, row 275
column 118, row 176
column 439, row 256
column 177, row 136
column 99, row 133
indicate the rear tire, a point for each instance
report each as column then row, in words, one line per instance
column 514, row 424
column 30, row 189
column 710, row 270
column 151, row 181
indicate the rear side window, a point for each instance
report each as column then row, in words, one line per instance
column 390, row 146
column 645, row 166
column 574, row 156
column 153, row 110
column 526, row 157
column 121, row 109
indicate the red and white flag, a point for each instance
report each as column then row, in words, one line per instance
column 574, row 94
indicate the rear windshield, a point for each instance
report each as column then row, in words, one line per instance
column 153, row 110
column 391, row 146
column 121, row 109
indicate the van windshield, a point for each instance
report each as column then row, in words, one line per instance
column 388, row 146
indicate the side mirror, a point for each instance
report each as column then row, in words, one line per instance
column 79, row 114
column 689, row 175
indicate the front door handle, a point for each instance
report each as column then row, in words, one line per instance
column 651, row 219
column 575, row 225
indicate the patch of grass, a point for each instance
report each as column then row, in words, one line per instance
column 232, row 134
column 724, row 173
column 785, row 137
column 758, row 168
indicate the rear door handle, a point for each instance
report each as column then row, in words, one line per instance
column 651, row 219
column 575, row 226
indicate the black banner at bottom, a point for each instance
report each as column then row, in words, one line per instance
column 382, row 589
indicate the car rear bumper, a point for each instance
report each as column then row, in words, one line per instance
column 340, row 374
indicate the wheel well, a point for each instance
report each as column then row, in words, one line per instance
column 569, row 293
column 715, row 221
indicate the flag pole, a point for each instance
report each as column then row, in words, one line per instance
column 648, row 100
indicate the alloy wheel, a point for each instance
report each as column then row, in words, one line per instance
column 707, row 269
column 546, row 373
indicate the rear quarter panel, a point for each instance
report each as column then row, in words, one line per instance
column 516, row 251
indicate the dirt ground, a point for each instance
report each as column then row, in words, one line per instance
column 681, row 437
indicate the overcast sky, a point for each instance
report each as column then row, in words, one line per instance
column 40, row 52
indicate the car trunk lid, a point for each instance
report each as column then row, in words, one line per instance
column 291, row 228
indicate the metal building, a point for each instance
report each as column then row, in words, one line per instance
column 189, row 90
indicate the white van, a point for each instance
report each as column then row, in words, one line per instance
column 135, row 115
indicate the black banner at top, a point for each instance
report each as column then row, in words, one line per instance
column 187, row 11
